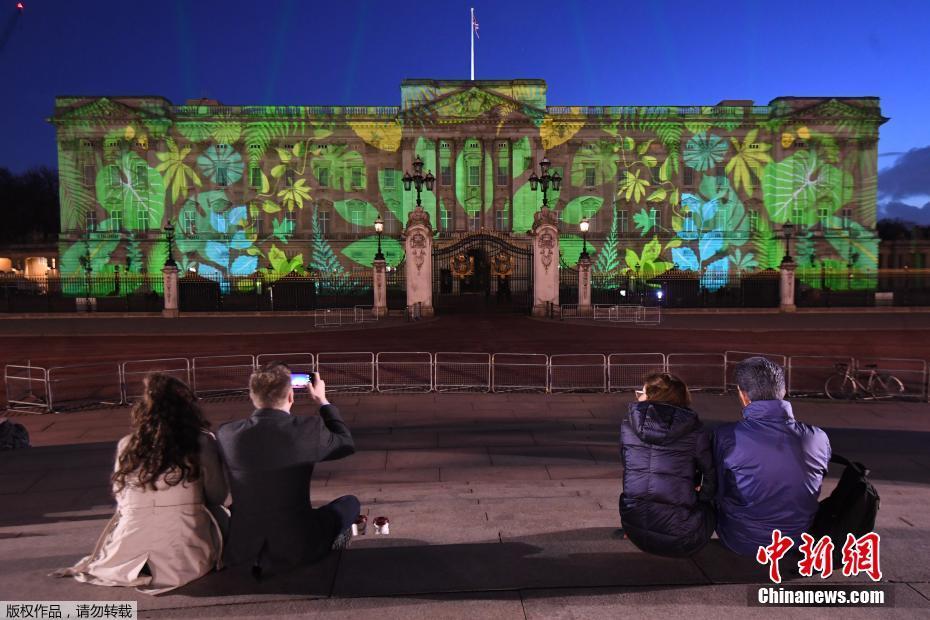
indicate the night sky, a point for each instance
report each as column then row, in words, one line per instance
column 354, row 52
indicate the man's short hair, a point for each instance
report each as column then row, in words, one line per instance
column 270, row 384
column 760, row 379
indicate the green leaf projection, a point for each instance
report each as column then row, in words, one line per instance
column 278, row 189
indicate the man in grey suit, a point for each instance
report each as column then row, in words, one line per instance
column 269, row 458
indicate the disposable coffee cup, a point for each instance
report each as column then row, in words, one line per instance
column 360, row 525
column 382, row 526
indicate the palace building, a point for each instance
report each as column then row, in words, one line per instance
column 280, row 189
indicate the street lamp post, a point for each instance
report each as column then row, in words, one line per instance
column 169, row 239
column 545, row 180
column 584, row 225
column 787, row 229
column 379, row 228
column 418, row 180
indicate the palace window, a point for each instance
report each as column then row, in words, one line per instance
column 688, row 223
column 290, row 177
column 474, row 221
column 357, row 178
column 390, row 225
column 590, row 213
column 140, row 176
column 753, row 220
column 655, row 175
column 445, row 171
column 688, row 177
column 622, row 221
column 654, row 218
column 823, row 216
column 503, row 174
column 255, row 176
column 323, row 174
column 720, row 172
column 847, row 217
column 501, row 221
column 474, row 175
column 116, row 220
column 113, row 175
column 189, row 223
column 723, row 218
column 590, row 176
column 323, row 222
column 621, row 175
column 258, row 225
column 90, row 175
column 222, row 176
column 446, row 218
column 753, row 146
column 142, row 219
column 90, row 221
column 797, row 215
column 390, row 178
column 290, row 222
column 800, row 144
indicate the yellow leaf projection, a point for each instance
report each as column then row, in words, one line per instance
column 384, row 136
column 558, row 131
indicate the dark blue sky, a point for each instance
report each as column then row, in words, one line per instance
column 355, row 52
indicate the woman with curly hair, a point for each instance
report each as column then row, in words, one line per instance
column 170, row 489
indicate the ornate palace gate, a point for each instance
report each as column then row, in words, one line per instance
column 482, row 272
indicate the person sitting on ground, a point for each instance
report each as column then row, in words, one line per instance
column 170, row 489
column 269, row 457
column 666, row 507
column 770, row 467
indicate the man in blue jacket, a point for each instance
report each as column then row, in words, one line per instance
column 770, row 467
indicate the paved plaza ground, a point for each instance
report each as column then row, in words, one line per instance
column 501, row 506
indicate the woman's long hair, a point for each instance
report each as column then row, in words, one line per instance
column 166, row 428
column 667, row 388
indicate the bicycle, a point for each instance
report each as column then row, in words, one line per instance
column 844, row 384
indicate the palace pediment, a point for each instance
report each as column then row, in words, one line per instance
column 471, row 104
column 835, row 108
column 104, row 110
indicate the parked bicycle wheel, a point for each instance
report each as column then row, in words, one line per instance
column 839, row 387
column 888, row 387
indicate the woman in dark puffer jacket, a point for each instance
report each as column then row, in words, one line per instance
column 666, row 507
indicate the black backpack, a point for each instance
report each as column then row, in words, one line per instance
column 851, row 508
column 13, row 435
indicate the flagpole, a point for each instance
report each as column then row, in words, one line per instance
column 471, row 29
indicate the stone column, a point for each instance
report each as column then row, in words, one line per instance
column 786, row 287
column 545, row 235
column 379, row 309
column 584, row 286
column 170, row 282
column 418, row 248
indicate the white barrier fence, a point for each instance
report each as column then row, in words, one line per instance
column 60, row 388
column 615, row 313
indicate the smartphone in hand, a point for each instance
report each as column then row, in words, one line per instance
column 301, row 380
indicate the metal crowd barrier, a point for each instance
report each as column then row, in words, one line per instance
column 578, row 372
column 462, row 372
column 807, row 374
column 628, row 371
column 27, row 387
column 615, row 313
column 912, row 373
column 519, row 372
column 732, row 358
column 134, row 372
column 365, row 314
column 220, row 375
column 410, row 371
column 84, row 385
column 333, row 317
column 61, row 388
column 347, row 372
column 700, row 371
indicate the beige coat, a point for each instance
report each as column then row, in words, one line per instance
column 173, row 530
